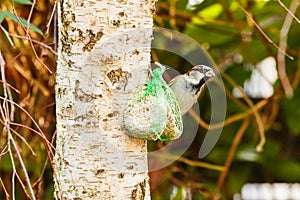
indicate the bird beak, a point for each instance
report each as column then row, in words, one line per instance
column 210, row 74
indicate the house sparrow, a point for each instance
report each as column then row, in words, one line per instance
column 187, row 87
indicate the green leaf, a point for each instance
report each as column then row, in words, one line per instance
column 2, row 15
column 6, row 165
column 24, row 2
column 201, row 35
column 23, row 22
column 210, row 12
column 287, row 170
column 292, row 112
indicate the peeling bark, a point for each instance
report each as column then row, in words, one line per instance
column 104, row 54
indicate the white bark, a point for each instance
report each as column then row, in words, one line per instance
column 104, row 53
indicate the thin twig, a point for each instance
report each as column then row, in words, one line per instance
column 35, row 41
column 23, row 186
column 200, row 164
column 170, row 157
column 258, row 120
column 4, row 110
column 45, row 165
column 6, row 90
column 262, row 32
column 289, row 11
column 232, row 82
column 230, row 156
column 4, row 151
column 11, row 141
column 228, row 120
column 13, row 184
column 28, row 37
column 38, row 58
column 7, row 94
column 29, row 16
column 282, row 45
column 11, row 87
column 23, row 139
column 29, row 128
column 5, row 113
column 7, row 36
column 5, row 191
column 51, row 17
column 39, row 132
column 255, row 112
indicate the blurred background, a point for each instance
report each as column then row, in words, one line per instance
column 253, row 44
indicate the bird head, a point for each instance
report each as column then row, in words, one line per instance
column 198, row 76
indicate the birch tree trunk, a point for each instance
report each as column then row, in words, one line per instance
column 103, row 55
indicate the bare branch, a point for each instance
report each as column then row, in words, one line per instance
column 283, row 45
column 230, row 156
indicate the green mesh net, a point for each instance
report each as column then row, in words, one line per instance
column 153, row 112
